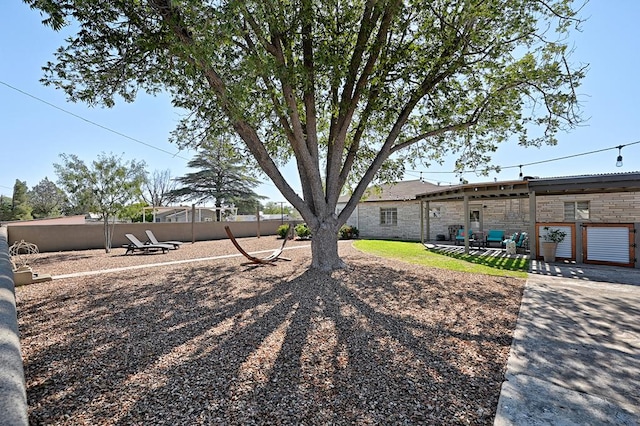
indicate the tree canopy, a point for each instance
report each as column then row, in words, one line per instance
column 5, row 208
column 221, row 177
column 46, row 199
column 352, row 90
column 157, row 187
column 20, row 207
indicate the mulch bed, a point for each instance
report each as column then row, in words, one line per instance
column 216, row 342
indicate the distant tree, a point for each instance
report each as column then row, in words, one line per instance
column 47, row 199
column 133, row 212
column 247, row 206
column 273, row 207
column 108, row 184
column 20, row 207
column 5, row 208
column 157, row 188
column 222, row 177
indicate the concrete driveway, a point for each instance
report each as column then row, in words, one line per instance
column 575, row 357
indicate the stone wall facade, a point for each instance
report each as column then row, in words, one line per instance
column 408, row 220
column 509, row 215
column 619, row 207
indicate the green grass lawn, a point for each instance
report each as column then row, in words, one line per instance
column 418, row 254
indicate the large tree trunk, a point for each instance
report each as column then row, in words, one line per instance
column 324, row 248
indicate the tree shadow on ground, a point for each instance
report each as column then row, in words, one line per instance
column 199, row 345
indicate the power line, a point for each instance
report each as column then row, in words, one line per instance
column 99, row 125
column 93, row 122
column 416, row 171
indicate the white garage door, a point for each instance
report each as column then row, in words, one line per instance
column 609, row 244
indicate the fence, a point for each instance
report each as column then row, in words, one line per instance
column 51, row 238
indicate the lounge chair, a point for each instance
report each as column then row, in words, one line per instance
column 259, row 260
column 523, row 241
column 460, row 235
column 153, row 240
column 495, row 236
column 136, row 245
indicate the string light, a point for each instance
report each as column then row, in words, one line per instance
column 520, row 166
column 619, row 159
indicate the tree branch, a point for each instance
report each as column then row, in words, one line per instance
column 173, row 20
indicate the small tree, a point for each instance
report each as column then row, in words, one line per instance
column 108, row 184
column 553, row 235
column 47, row 199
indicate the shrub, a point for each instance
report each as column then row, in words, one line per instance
column 302, row 230
column 348, row 232
column 553, row 235
column 282, row 231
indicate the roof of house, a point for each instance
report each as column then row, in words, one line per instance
column 397, row 191
column 418, row 189
column 582, row 184
column 608, row 182
column 62, row 220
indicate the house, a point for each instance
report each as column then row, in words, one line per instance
column 182, row 214
column 600, row 213
column 390, row 210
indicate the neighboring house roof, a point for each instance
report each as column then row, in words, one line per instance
column 63, row 220
column 170, row 209
column 397, row 191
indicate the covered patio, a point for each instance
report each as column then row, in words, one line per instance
column 468, row 193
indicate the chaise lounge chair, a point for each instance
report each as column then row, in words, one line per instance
column 153, row 240
column 136, row 245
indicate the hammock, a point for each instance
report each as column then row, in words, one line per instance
column 259, row 260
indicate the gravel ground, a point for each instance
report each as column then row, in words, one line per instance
column 218, row 342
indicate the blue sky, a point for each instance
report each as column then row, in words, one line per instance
column 34, row 133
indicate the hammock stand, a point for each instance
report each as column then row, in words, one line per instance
column 269, row 260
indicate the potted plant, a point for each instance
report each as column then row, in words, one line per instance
column 551, row 239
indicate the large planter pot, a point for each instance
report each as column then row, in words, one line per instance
column 549, row 251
